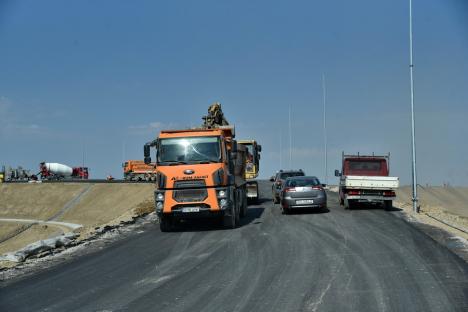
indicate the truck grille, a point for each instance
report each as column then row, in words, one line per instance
column 190, row 191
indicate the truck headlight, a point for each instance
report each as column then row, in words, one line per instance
column 223, row 203
column 160, row 197
column 159, row 206
column 222, row 194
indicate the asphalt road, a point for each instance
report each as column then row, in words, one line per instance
column 336, row 260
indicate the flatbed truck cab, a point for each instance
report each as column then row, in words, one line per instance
column 200, row 174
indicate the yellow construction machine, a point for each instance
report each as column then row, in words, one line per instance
column 252, row 167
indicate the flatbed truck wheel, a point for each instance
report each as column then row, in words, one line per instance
column 388, row 205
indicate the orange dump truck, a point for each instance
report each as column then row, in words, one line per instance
column 200, row 174
column 137, row 170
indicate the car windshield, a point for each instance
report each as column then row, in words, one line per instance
column 189, row 150
column 285, row 175
column 302, row 182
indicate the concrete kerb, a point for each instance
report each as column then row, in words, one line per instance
column 21, row 255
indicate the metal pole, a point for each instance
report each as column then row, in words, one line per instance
column 290, row 139
column 281, row 148
column 413, row 141
column 325, row 127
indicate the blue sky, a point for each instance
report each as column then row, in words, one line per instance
column 104, row 77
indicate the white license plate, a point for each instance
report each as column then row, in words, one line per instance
column 190, row 209
column 304, row 201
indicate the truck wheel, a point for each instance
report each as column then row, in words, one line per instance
column 229, row 221
column 388, row 205
column 165, row 224
column 349, row 204
column 243, row 209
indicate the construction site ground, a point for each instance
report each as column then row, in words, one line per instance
column 443, row 207
column 32, row 212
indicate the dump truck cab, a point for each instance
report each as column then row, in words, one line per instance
column 200, row 174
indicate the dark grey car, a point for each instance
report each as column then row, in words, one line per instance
column 278, row 181
column 302, row 192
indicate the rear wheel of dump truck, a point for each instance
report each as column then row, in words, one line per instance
column 388, row 204
column 243, row 200
column 165, row 223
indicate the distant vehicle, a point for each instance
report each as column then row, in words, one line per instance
column 365, row 179
column 279, row 179
column 56, row 171
column 137, row 170
column 302, row 192
column 15, row 174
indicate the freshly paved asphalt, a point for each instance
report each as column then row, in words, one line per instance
column 335, row 260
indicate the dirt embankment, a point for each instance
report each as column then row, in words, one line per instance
column 438, row 203
column 89, row 205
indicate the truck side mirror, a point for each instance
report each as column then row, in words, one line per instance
column 337, row 173
column 259, row 148
column 146, row 152
column 272, row 179
column 233, row 152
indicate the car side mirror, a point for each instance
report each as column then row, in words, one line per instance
column 324, row 185
column 272, row 179
column 337, row 173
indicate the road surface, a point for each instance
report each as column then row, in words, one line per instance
column 335, row 260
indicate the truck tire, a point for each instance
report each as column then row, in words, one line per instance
column 165, row 224
column 388, row 205
column 349, row 204
column 243, row 209
column 229, row 221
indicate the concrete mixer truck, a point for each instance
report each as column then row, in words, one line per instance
column 56, row 171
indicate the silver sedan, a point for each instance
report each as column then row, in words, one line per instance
column 302, row 192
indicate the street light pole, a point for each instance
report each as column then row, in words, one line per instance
column 324, row 90
column 290, row 139
column 413, row 143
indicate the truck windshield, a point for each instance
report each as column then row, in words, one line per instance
column 189, row 150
